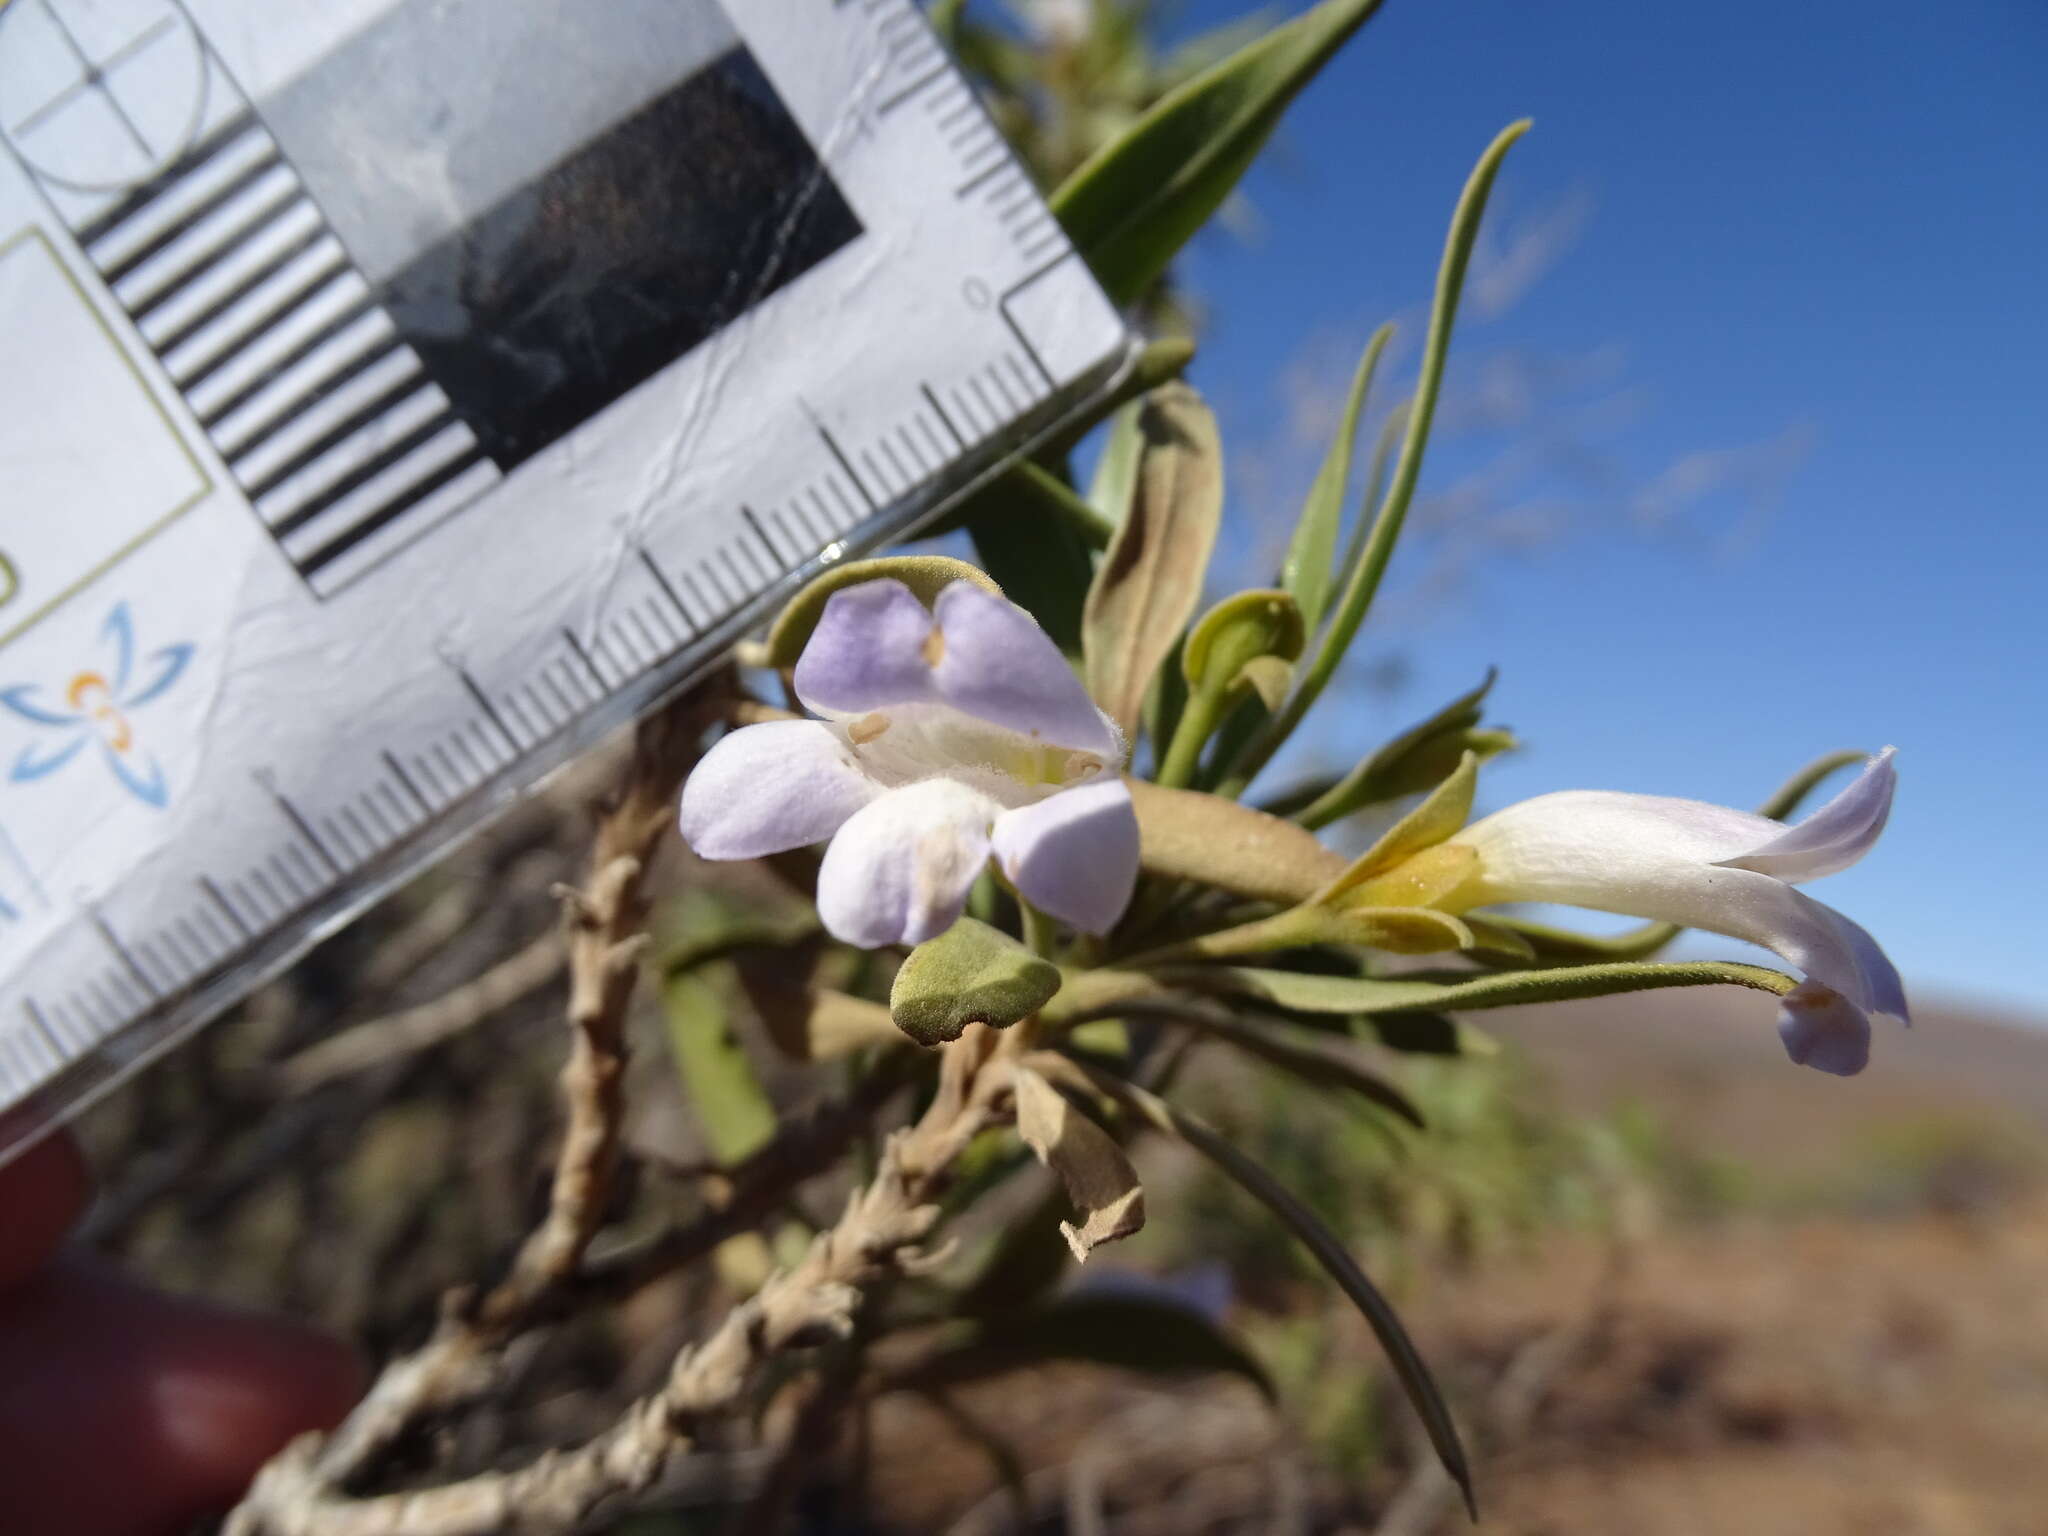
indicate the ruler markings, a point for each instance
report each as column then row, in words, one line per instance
column 832, row 447
column 739, row 549
column 939, row 411
column 661, row 581
column 483, row 703
column 905, row 478
column 359, row 825
column 41, row 1026
column 753, row 521
column 649, row 650
column 121, row 950
column 890, row 103
column 405, row 781
column 220, row 900
column 298, row 820
column 583, row 655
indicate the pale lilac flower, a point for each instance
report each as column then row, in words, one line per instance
column 946, row 735
column 1726, row 871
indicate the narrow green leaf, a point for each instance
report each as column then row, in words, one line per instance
column 1407, row 763
column 1136, row 202
column 1306, row 572
column 1133, row 1333
column 925, row 575
column 1364, row 994
column 970, row 974
column 1150, row 581
column 1037, row 538
column 732, row 1110
column 1363, row 580
column 1329, row 1251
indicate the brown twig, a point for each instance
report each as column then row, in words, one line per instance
column 412, row 1030
column 879, row 1236
column 604, row 917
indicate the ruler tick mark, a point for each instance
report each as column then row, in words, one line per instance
column 483, row 703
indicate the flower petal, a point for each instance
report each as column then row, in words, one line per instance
column 1639, row 855
column 898, row 872
column 1824, row 1030
column 769, row 788
column 868, row 651
column 1833, row 837
column 1074, row 854
column 999, row 665
column 1577, row 831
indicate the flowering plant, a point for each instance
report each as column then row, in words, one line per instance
column 1027, row 857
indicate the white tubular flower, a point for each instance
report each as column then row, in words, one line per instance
column 1726, row 871
column 946, row 735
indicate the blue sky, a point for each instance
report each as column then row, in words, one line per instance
column 1804, row 275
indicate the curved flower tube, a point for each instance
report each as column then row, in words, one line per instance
column 944, row 736
column 1726, row 871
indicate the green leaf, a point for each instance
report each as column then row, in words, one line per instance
column 1158, row 362
column 1028, row 529
column 1149, row 582
column 1329, row 1251
column 1229, row 653
column 1430, row 1034
column 1306, row 572
column 1136, row 202
column 1364, row 994
column 731, row 1109
column 1363, row 580
column 1132, row 1333
column 925, row 575
column 1320, row 1065
column 970, row 974
column 1238, row 631
column 1191, row 836
column 1421, row 756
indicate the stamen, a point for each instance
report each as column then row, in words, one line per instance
column 867, row 728
column 934, row 647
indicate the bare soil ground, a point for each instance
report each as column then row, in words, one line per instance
column 1872, row 1359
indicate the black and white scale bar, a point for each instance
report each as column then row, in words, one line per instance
column 324, row 414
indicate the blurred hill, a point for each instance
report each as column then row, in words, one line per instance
column 1708, row 1064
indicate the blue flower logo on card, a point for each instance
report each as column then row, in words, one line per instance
column 96, row 709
